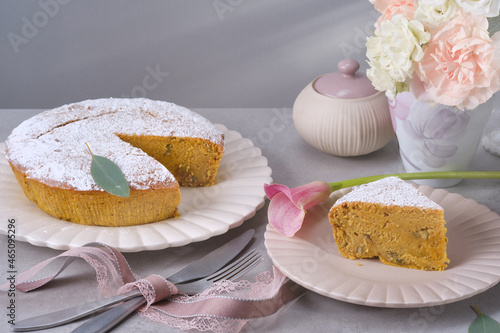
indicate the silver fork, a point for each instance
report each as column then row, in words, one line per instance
column 109, row 319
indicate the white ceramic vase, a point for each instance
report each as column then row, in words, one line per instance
column 491, row 138
column 438, row 138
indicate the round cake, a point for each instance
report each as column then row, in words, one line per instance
column 157, row 146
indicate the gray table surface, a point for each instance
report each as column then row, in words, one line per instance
column 294, row 163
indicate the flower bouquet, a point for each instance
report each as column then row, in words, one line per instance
column 443, row 51
column 438, row 62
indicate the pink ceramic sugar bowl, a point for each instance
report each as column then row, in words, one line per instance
column 342, row 114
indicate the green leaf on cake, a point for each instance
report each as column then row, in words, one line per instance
column 483, row 323
column 108, row 176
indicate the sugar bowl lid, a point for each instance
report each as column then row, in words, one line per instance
column 345, row 84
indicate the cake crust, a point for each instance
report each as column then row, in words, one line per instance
column 102, row 208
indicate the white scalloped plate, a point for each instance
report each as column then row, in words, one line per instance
column 205, row 212
column 311, row 259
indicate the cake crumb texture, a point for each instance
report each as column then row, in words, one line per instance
column 392, row 220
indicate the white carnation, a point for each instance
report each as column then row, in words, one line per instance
column 432, row 2
column 434, row 12
column 489, row 8
column 392, row 51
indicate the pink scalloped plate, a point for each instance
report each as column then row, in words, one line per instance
column 311, row 259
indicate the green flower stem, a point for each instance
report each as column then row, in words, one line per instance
column 417, row 175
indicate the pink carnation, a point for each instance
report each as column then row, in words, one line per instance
column 457, row 67
column 391, row 8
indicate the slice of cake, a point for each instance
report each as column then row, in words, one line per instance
column 392, row 220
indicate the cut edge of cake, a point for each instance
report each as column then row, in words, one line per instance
column 392, row 220
column 49, row 156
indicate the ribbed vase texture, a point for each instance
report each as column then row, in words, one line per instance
column 343, row 127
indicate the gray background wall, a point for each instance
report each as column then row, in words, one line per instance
column 212, row 53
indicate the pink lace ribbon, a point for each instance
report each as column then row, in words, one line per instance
column 154, row 288
column 224, row 307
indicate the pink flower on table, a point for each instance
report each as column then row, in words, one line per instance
column 288, row 206
column 457, row 68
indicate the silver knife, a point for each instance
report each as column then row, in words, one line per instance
column 107, row 320
column 200, row 268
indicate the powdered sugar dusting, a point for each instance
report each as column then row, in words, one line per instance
column 50, row 147
column 390, row 191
